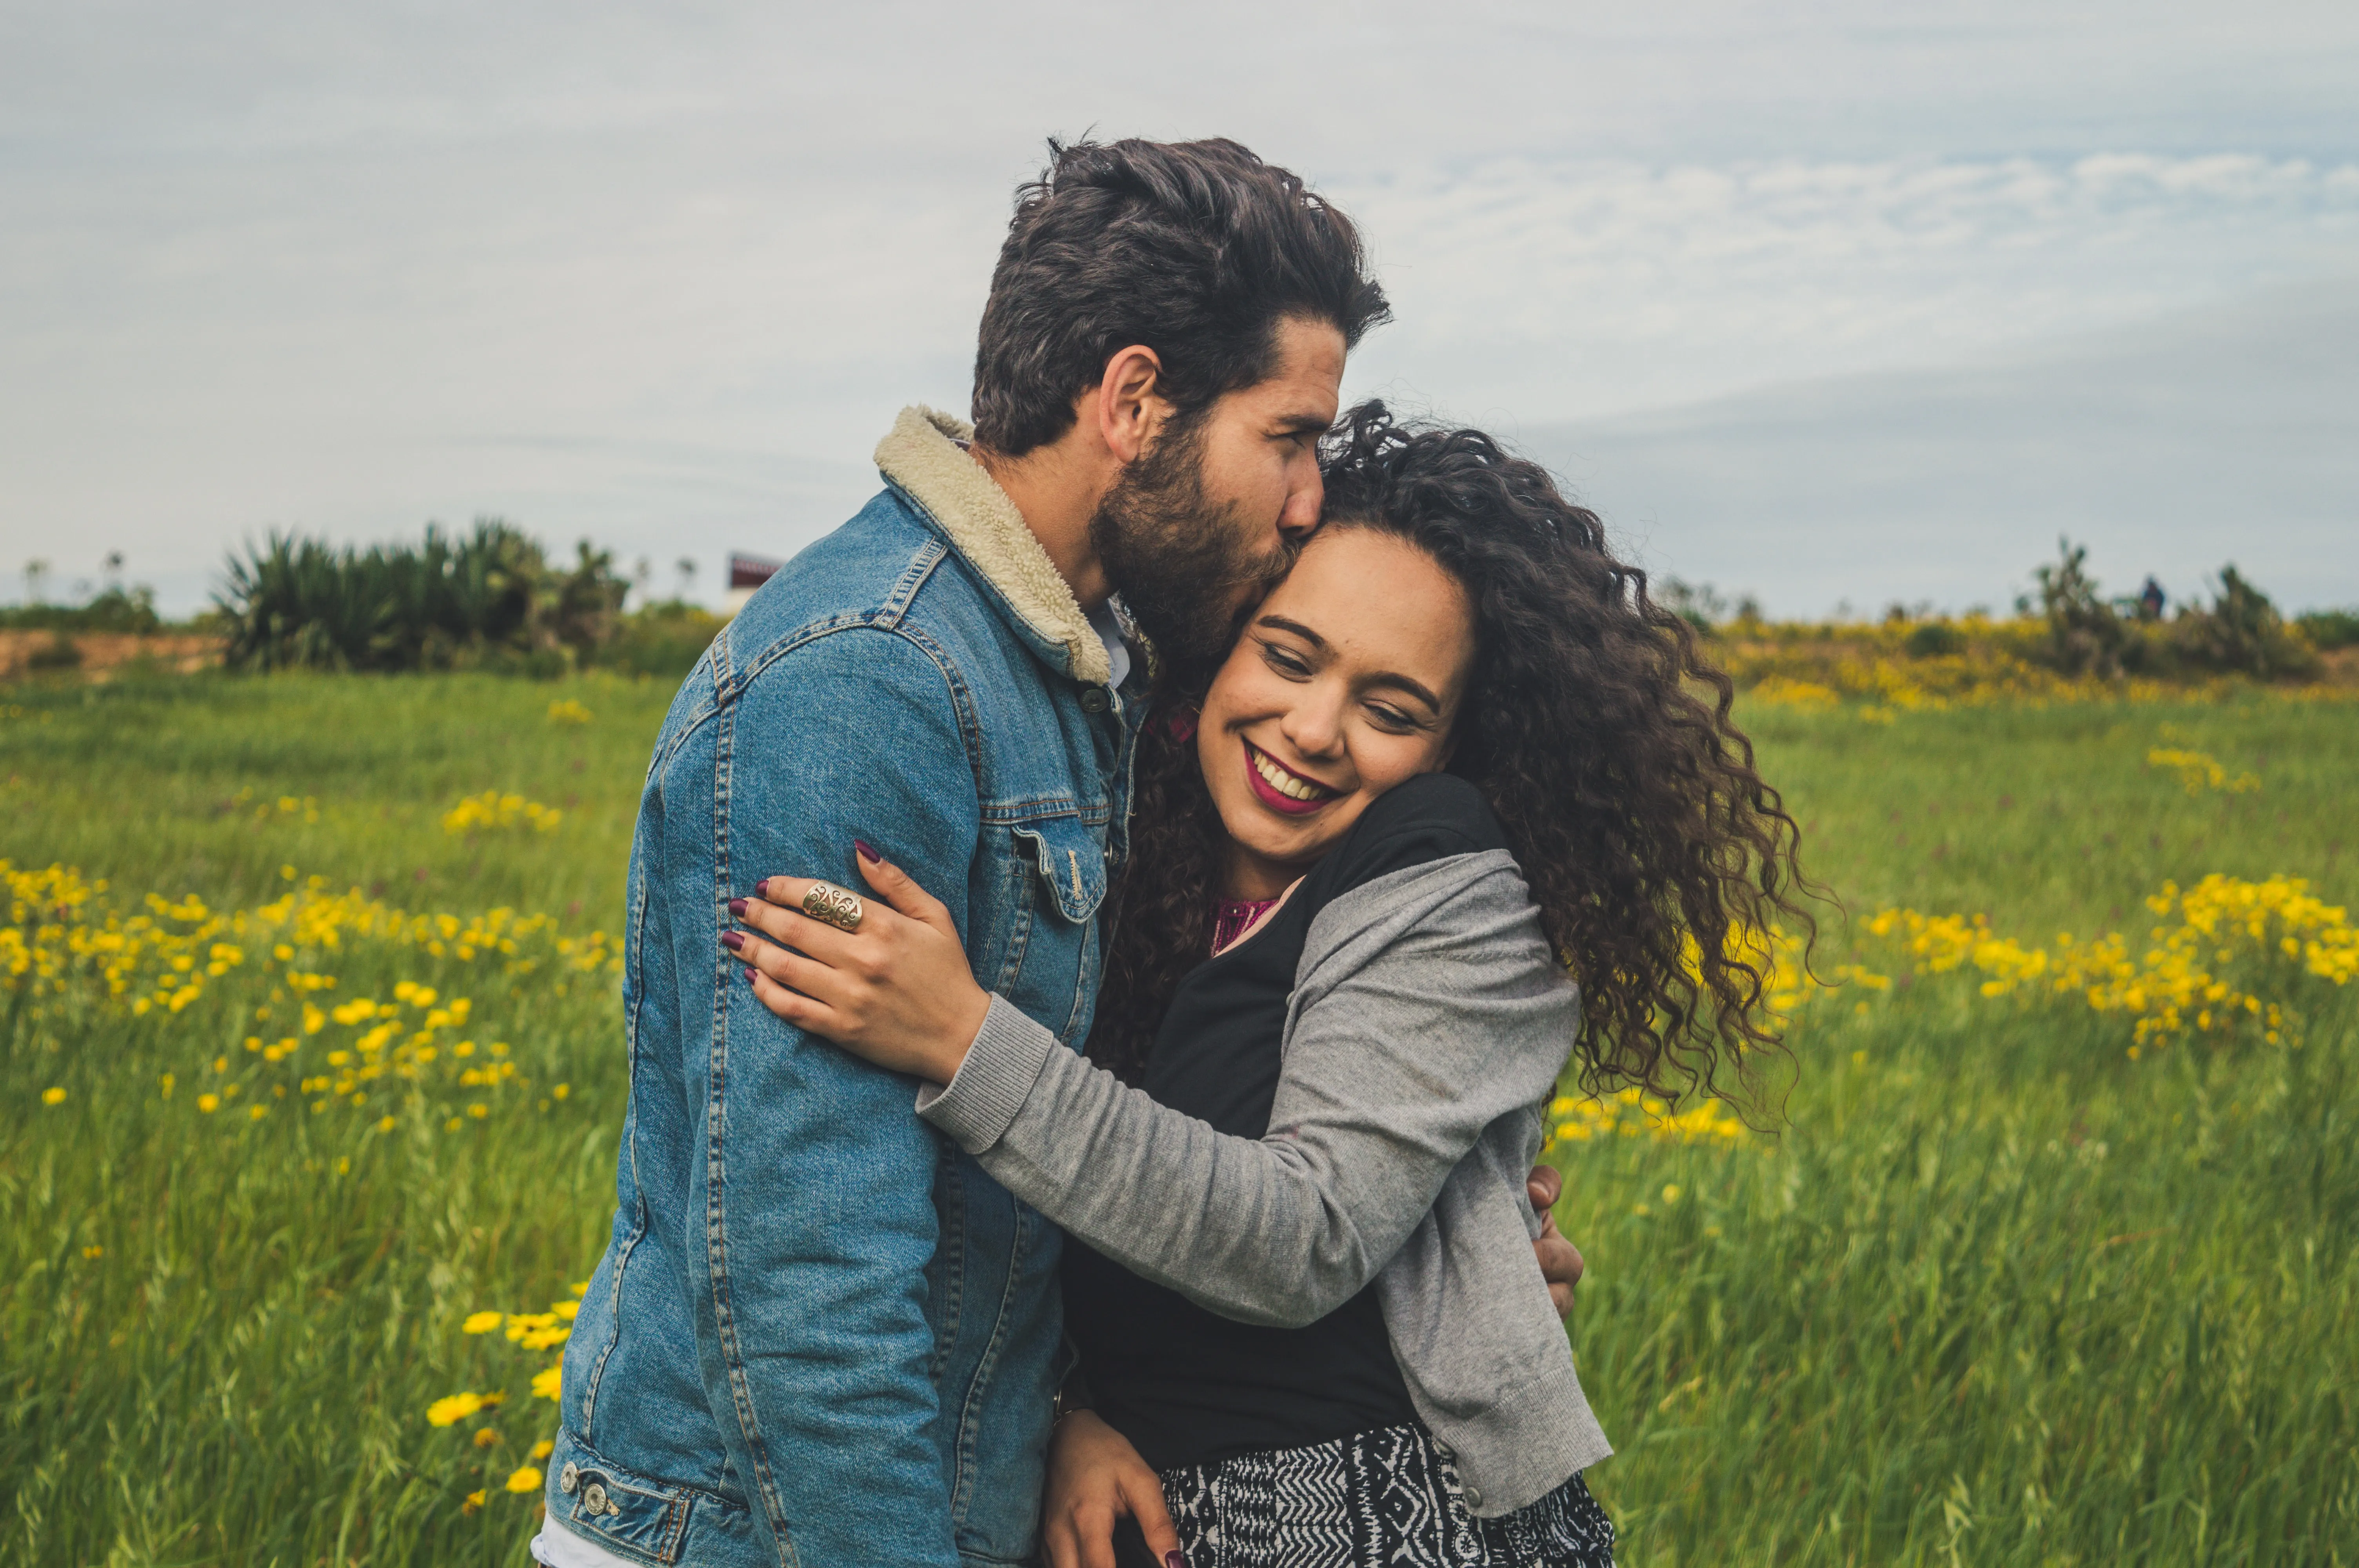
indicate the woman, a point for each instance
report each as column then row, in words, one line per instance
column 1452, row 756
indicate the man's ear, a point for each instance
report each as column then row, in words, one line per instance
column 1128, row 404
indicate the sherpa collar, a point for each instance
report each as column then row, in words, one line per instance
column 922, row 455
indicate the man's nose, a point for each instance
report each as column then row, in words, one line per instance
column 1299, row 518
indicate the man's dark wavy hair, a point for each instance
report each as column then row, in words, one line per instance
column 1197, row 250
column 1601, row 737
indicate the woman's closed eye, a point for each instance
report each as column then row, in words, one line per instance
column 1285, row 661
column 1393, row 720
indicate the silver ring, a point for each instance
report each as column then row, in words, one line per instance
column 827, row 901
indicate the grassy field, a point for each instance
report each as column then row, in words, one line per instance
column 1997, row 1292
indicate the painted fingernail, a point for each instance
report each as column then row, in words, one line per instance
column 1175, row 1559
column 867, row 854
column 737, row 908
column 749, row 977
column 733, row 940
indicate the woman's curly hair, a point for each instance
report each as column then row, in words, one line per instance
column 1597, row 732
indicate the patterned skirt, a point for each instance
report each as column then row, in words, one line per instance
column 1386, row 1499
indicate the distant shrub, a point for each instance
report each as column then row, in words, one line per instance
column 2086, row 637
column 2328, row 629
column 1699, row 604
column 59, row 653
column 116, row 609
column 1933, row 640
column 490, row 600
column 2239, row 633
column 663, row 639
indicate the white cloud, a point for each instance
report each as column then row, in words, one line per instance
column 1580, row 289
column 662, row 275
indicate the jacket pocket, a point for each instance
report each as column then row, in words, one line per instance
column 1072, row 863
column 629, row 1514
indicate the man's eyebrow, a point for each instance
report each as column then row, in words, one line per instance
column 1387, row 677
column 1297, row 423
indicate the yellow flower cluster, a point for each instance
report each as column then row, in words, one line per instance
column 67, row 943
column 303, row 806
column 492, row 809
column 565, row 710
column 535, row 1331
column 1971, row 661
column 2199, row 771
column 1944, row 942
column 62, row 931
column 1838, row 663
column 1775, row 953
column 1807, row 696
column 1634, row 1113
column 2230, row 962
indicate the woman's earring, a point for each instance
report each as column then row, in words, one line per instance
column 1180, row 725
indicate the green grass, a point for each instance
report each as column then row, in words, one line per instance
column 2000, row 1294
column 1996, row 1294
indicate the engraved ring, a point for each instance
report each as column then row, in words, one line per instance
column 831, row 904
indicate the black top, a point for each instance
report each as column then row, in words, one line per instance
column 1186, row 1386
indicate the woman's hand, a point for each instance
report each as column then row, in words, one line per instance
column 1560, row 1261
column 1095, row 1477
column 896, row 992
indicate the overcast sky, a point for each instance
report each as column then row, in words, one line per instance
column 1826, row 301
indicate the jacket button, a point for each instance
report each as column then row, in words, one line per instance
column 1473, row 1498
column 594, row 1497
column 1095, row 699
column 569, row 1477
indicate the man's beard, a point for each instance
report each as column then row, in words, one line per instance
column 1178, row 560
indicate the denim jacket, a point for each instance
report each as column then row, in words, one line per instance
column 821, row 1334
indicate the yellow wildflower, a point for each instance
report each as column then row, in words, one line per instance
column 53, row 1096
column 527, row 1479
column 451, row 1408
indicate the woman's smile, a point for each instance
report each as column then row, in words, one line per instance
column 1279, row 787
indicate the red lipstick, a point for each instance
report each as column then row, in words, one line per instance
column 1271, row 796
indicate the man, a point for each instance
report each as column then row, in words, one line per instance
column 817, row 1335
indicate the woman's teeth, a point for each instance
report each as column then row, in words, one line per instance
column 1285, row 783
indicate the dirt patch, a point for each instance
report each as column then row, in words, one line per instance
column 99, row 655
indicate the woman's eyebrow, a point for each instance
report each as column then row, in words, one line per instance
column 1414, row 688
column 1281, row 624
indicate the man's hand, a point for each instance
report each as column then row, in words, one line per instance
column 1560, row 1263
column 1095, row 1477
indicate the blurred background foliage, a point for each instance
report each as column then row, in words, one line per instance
column 494, row 599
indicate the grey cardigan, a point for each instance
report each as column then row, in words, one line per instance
column 1428, row 1024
